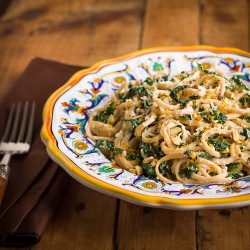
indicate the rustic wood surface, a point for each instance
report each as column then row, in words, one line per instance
column 83, row 32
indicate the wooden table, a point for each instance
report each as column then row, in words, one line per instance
column 83, row 32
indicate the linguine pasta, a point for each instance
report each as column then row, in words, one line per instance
column 192, row 128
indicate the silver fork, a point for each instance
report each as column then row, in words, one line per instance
column 16, row 138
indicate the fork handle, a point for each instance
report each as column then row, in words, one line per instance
column 4, row 175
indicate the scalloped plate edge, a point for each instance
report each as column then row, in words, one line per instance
column 130, row 196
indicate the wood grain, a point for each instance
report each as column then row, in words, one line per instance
column 3, row 184
column 146, row 228
column 75, row 32
column 151, row 228
column 85, row 221
column 224, row 23
column 3, row 6
column 223, row 229
column 170, row 23
column 11, row 248
column 84, row 31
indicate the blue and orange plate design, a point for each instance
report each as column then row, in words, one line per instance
column 67, row 110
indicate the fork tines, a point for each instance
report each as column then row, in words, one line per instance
column 20, row 122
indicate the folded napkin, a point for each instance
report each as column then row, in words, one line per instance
column 36, row 184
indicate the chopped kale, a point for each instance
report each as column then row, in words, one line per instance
column 103, row 116
column 189, row 170
column 230, row 87
column 165, row 170
column 175, row 97
column 212, row 173
column 246, row 118
column 245, row 132
column 187, row 152
column 194, row 97
column 149, row 81
column 219, row 144
column 225, row 155
column 108, row 145
column 236, row 175
column 213, row 110
column 187, row 117
column 201, row 67
column 117, row 150
column 133, row 124
column 165, row 78
column 165, row 167
column 134, row 155
column 232, row 167
column 234, row 171
column 237, row 81
column 136, row 91
column 160, row 78
column 148, row 170
column 199, row 135
column 159, row 151
column 145, row 104
column 221, row 118
column 205, row 155
column 245, row 101
column 147, row 150
column 206, row 117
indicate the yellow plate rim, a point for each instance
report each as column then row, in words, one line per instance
column 51, row 144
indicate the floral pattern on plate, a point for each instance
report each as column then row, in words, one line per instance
column 73, row 107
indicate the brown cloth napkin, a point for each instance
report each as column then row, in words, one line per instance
column 36, row 184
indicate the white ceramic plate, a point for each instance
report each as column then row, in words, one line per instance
column 66, row 115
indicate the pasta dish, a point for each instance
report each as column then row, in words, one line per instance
column 191, row 128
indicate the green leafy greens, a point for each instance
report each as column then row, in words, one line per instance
column 245, row 132
column 134, row 155
column 108, row 145
column 247, row 119
column 189, row 170
column 133, row 124
column 149, row 81
column 136, row 90
column 238, row 82
column 245, row 101
column 165, row 170
column 148, row 170
column 219, row 117
column 175, row 97
column 218, row 143
column 187, row 152
column 147, row 150
column 206, row 117
column 103, row 116
column 205, row 155
column 234, row 171
column 186, row 117
column 201, row 67
column 197, row 137
column 146, row 103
